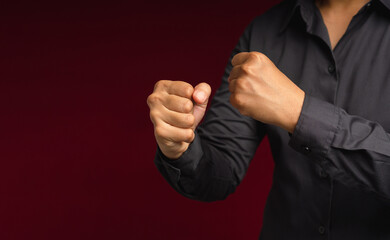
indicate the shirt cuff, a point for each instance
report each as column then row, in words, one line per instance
column 316, row 128
column 187, row 164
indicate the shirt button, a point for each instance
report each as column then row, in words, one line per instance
column 321, row 229
column 306, row 149
column 323, row 174
column 331, row 68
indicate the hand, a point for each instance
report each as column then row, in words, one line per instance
column 259, row 90
column 176, row 108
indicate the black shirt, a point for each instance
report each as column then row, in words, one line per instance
column 332, row 176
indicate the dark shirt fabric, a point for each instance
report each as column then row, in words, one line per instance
column 332, row 175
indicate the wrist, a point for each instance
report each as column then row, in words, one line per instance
column 175, row 151
column 294, row 109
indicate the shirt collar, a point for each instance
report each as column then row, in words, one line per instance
column 299, row 7
column 386, row 3
column 305, row 8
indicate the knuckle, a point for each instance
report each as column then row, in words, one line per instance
column 245, row 69
column 242, row 84
column 187, row 106
column 160, row 84
column 234, row 59
column 182, row 147
column 258, row 54
column 152, row 99
column 236, row 100
column 157, row 85
column 246, row 84
column 159, row 131
column 235, row 69
column 190, row 120
column 259, row 57
column 170, row 144
column 263, row 59
column 153, row 115
column 262, row 56
column 187, row 91
column 253, row 55
column 188, row 135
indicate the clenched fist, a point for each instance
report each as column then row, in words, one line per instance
column 259, row 90
column 176, row 108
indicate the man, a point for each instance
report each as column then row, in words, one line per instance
column 314, row 76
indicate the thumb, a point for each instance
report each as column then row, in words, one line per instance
column 201, row 96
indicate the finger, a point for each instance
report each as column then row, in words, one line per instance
column 240, row 58
column 201, row 94
column 235, row 73
column 181, row 89
column 232, row 85
column 201, row 97
column 181, row 120
column 173, row 134
column 248, row 57
column 178, row 104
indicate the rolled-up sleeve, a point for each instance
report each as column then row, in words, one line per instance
column 351, row 149
column 225, row 143
column 186, row 165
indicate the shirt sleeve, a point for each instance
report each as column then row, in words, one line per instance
column 351, row 149
column 225, row 142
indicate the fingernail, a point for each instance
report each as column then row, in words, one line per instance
column 201, row 96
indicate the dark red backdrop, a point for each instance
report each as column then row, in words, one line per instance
column 76, row 143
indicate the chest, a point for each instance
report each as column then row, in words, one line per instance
column 355, row 76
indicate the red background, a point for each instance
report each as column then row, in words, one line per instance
column 76, row 142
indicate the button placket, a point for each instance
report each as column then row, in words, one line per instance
column 323, row 174
column 321, row 230
column 331, row 68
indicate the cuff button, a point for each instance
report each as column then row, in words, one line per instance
column 306, row 149
column 321, row 230
column 323, row 174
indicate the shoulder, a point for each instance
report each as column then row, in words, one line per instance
column 274, row 18
column 263, row 33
